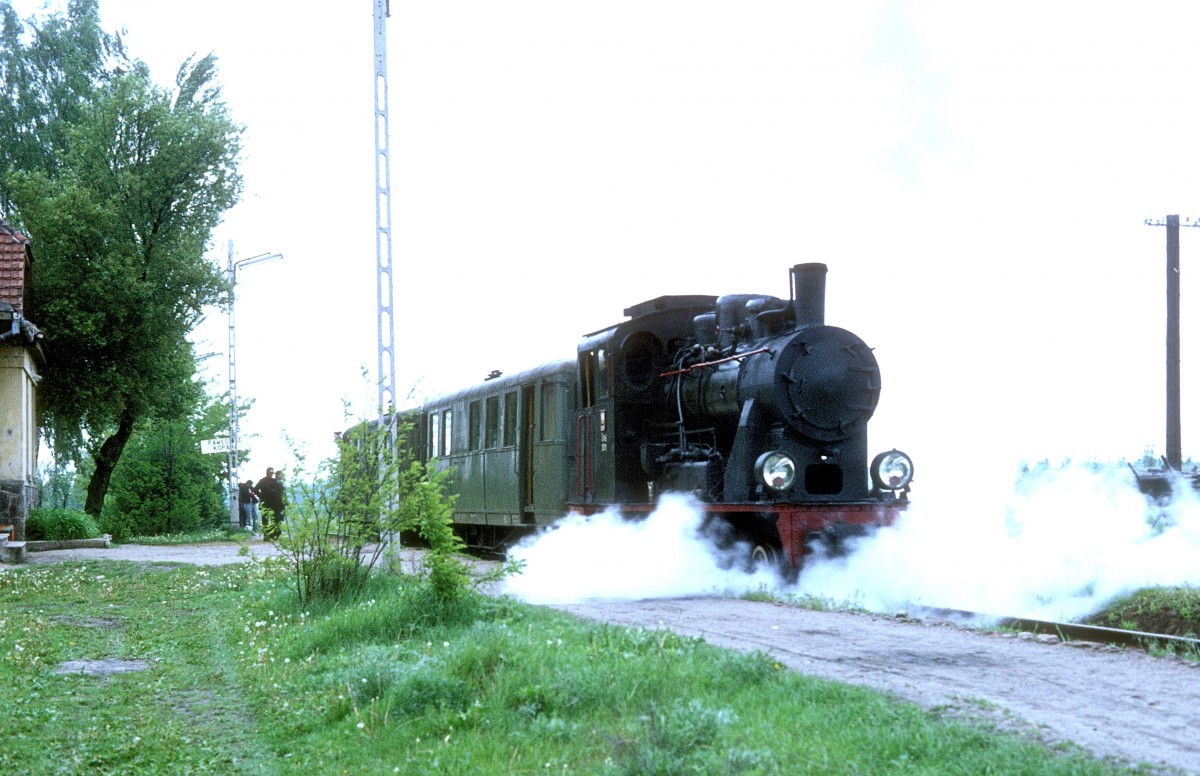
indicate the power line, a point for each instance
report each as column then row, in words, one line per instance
column 1189, row 221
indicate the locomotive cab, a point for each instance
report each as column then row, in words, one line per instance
column 621, row 397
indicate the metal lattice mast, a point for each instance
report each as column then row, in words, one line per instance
column 383, row 218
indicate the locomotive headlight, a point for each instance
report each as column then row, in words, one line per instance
column 892, row 470
column 775, row 470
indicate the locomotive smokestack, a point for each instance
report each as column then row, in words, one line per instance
column 808, row 294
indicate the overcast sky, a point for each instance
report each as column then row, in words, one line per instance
column 975, row 175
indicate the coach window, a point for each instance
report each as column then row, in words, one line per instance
column 435, row 435
column 549, row 411
column 510, row 418
column 492, row 423
column 474, row 425
column 447, row 431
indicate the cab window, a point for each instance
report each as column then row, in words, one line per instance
column 593, row 376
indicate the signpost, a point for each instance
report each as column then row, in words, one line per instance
column 218, row 445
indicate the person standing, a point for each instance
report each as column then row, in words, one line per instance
column 248, row 501
column 270, row 492
column 283, row 502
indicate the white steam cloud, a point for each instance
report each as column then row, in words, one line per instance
column 605, row 556
column 1058, row 547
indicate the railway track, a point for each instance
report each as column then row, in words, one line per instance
column 1067, row 631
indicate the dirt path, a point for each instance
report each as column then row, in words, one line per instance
column 1116, row 703
column 200, row 554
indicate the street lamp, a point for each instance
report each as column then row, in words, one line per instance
column 233, row 415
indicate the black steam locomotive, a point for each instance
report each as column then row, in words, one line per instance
column 750, row 403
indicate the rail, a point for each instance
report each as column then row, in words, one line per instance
column 1067, row 631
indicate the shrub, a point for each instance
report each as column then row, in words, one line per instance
column 164, row 485
column 342, row 522
column 115, row 526
column 332, row 535
column 58, row 525
column 428, row 507
column 332, row 575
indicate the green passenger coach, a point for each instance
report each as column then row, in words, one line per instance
column 510, row 441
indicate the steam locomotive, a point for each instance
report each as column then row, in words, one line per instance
column 750, row 403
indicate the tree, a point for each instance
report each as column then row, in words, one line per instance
column 164, row 484
column 48, row 75
column 120, row 224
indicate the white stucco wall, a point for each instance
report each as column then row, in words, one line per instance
column 18, row 415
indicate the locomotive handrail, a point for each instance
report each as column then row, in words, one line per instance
column 580, row 455
column 583, row 455
column 736, row 357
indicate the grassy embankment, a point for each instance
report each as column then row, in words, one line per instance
column 1172, row 611
column 239, row 679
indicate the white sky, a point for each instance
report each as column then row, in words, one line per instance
column 975, row 175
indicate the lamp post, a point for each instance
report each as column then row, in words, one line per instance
column 233, row 415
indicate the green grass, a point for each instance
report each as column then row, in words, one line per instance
column 1174, row 611
column 203, row 536
column 241, row 679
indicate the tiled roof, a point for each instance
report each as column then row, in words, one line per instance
column 14, row 265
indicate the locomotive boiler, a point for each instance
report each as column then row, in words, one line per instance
column 750, row 403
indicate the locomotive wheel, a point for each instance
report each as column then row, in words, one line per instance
column 771, row 557
column 764, row 555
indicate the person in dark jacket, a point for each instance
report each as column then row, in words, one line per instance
column 274, row 502
column 248, row 503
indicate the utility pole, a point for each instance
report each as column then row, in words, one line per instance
column 1174, row 454
column 232, row 452
column 386, row 327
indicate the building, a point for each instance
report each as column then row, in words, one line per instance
column 22, row 358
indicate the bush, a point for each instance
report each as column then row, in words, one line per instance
column 428, row 507
column 331, row 575
column 115, row 526
column 335, row 522
column 164, row 485
column 58, row 525
column 341, row 523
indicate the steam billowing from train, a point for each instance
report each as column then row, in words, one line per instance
column 1056, row 546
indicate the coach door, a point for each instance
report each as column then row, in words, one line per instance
column 593, row 475
column 525, row 458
